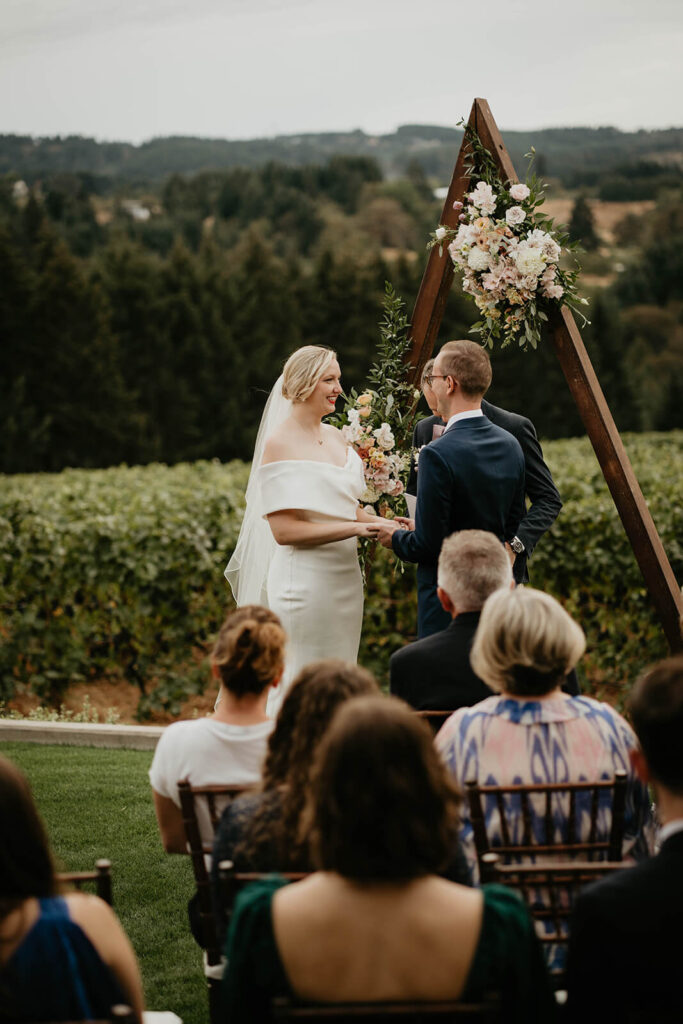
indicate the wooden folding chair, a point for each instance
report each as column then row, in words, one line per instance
column 216, row 799
column 488, row 1012
column 434, row 718
column 232, row 881
column 101, row 877
column 549, row 891
column 514, row 804
column 121, row 1013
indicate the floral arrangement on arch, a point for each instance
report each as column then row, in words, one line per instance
column 508, row 253
column 379, row 421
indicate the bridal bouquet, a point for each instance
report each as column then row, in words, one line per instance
column 379, row 421
column 508, row 253
column 373, row 439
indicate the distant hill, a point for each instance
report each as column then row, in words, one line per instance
column 576, row 156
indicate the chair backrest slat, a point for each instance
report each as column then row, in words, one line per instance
column 488, row 1012
column 100, row 878
column 554, row 800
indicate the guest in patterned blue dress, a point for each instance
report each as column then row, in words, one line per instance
column 533, row 732
column 61, row 958
column 375, row 923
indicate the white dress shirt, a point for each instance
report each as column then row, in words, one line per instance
column 468, row 415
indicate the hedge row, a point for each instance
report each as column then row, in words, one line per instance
column 119, row 573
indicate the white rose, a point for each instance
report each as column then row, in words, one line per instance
column 515, row 215
column 519, row 192
column 384, row 436
column 440, row 234
column 478, row 260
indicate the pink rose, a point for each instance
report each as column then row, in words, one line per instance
column 457, row 205
column 519, row 192
column 515, row 215
column 462, row 217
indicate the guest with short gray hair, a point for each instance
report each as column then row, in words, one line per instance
column 435, row 673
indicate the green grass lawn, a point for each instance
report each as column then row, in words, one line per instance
column 98, row 803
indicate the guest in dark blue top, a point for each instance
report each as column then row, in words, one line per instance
column 61, row 958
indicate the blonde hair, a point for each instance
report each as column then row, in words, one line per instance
column 469, row 364
column 249, row 652
column 303, row 370
column 525, row 643
column 472, row 564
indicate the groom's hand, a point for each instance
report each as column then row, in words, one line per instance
column 405, row 523
column 385, row 531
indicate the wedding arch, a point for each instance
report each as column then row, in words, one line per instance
column 581, row 378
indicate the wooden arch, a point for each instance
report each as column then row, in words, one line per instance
column 583, row 384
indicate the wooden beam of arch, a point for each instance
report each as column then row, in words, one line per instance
column 583, row 384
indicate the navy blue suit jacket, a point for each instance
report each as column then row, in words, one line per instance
column 540, row 487
column 624, row 960
column 470, row 478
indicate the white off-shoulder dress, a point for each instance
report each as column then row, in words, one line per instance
column 318, row 591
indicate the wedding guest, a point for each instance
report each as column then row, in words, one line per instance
column 625, row 938
column 435, row 672
column 227, row 747
column 63, row 957
column 262, row 831
column 531, row 731
column 539, row 485
column 375, row 922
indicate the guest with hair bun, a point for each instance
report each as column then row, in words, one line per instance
column 227, row 747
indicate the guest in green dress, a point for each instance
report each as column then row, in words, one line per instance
column 376, row 923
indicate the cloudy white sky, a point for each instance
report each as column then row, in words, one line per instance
column 134, row 69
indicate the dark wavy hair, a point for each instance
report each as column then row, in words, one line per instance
column 249, row 650
column 314, row 697
column 26, row 865
column 382, row 806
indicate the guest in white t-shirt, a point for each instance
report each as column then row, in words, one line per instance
column 227, row 747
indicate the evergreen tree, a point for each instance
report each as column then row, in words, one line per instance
column 582, row 225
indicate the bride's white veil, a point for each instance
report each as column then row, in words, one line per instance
column 247, row 570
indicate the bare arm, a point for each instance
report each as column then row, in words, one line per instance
column 170, row 820
column 102, row 926
column 291, row 527
column 365, row 517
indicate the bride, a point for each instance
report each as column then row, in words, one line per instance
column 296, row 552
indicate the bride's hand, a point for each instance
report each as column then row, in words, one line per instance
column 367, row 530
column 405, row 523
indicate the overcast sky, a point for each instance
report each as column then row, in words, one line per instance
column 134, row 69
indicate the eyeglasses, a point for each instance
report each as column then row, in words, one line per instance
column 431, row 377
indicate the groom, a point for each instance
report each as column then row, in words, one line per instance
column 470, row 478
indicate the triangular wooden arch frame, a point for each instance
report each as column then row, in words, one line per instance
column 583, row 384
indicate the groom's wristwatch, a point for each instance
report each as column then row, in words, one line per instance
column 517, row 545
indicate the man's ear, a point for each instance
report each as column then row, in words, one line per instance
column 214, row 671
column 446, row 602
column 640, row 765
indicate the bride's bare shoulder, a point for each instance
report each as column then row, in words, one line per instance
column 280, row 446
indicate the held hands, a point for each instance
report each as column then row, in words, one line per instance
column 383, row 531
column 404, row 523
